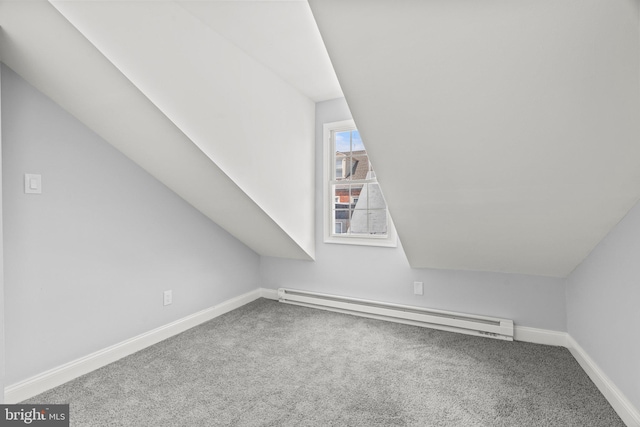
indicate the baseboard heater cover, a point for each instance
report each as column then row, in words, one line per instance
column 470, row 324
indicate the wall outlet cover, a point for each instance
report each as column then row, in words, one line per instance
column 168, row 297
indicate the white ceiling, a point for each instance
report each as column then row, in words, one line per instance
column 505, row 134
column 107, row 90
column 282, row 35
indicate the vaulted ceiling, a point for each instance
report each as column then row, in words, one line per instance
column 505, row 134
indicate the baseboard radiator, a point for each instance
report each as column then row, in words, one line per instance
column 490, row 327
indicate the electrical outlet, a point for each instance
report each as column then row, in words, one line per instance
column 168, row 297
column 418, row 288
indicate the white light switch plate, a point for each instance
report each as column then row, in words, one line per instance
column 32, row 183
column 418, row 288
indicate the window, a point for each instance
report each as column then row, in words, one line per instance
column 355, row 210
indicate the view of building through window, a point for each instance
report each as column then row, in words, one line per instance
column 358, row 207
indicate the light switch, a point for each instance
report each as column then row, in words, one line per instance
column 32, row 183
column 418, row 288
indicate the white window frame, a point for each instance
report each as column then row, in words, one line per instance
column 390, row 240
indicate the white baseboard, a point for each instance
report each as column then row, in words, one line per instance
column 614, row 396
column 54, row 377
column 625, row 410
column 269, row 293
column 540, row 336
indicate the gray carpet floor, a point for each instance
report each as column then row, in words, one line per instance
column 272, row 364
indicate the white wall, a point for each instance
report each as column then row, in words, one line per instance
column 253, row 125
column 602, row 305
column 384, row 273
column 86, row 261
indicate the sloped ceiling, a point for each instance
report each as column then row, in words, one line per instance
column 193, row 108
column 282, row 35
column 505, row 134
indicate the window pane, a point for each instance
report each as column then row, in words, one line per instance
column 356, row 141
column 378, row 222
column 349, row 166
column 359, row 166
column 341, row 221
column 339, row 166
column 351, row 160
column 374, row 197
column 341, row 196
column 372, row 173
column 343, row 142
column 369, row 197
column 371, row 222
column 354, row 193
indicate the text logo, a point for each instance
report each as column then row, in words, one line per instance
column 34, row 415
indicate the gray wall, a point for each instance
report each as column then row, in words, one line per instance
column 86, row 262
column 602, row 305
column 384, row 273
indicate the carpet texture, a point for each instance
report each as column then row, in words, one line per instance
column 272, row 364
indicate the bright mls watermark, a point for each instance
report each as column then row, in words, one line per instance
column 34, row 415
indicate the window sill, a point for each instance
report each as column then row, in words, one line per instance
column 387, row 242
